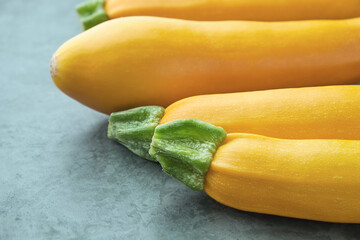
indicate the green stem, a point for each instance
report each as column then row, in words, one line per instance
column 185, row 149
column 135, row 128
column 92, row 13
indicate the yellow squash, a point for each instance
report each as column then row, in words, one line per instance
column 259, row 10
column 137, row 61
column 93, row 12
column 295, row 113
column 309, row 179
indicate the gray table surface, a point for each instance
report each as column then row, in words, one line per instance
column 61, row 178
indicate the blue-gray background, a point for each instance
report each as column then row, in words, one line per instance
column 61, row 178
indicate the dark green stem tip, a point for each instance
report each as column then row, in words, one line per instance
column 92, row 13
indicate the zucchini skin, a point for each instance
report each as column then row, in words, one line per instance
column 138, row 61
column 328, row 112
column 308, row 179
column 259, row 10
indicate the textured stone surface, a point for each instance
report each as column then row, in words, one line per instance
column 61, row 178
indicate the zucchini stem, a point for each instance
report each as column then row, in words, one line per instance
column 185, row 149
column 135, row 128
column 92, row 13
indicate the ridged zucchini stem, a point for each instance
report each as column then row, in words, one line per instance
column 92, row 13
column 135, row 128
column 185, row 149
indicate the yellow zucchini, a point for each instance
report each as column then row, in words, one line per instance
column 137, row 61
column 309, row 179
column 299, row 113
column 93, row 12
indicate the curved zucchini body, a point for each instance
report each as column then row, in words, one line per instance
column 330, row 112
column 217, row 10
column 258, row 10
column 137, row 61
column 309, row 179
